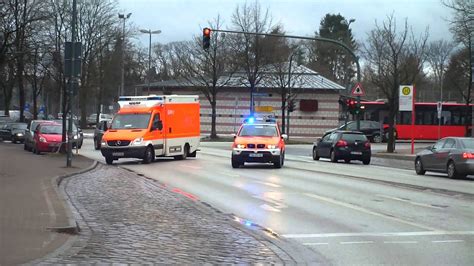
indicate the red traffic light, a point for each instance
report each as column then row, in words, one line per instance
column 206, row 32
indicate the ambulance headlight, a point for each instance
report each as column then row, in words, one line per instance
column 138, row 141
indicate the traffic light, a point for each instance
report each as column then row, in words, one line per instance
column 291, row 106
column 351, row 105
column 206, row 38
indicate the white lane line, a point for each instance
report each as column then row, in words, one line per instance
column 356, row 242
column 191, row 167
column 410, row 202
column 315, row 244
column 267, row 184
column 382, row 234
column 400, row 242
column 230, row 174
column 448, row 241
column 364, row 210
column 269, row 208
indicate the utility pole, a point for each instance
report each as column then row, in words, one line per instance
column 148, row 76
column 122, row 64
column 72, row 82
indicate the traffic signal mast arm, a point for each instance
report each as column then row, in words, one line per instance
column 341, row 44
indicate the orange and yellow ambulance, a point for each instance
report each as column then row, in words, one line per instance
column 147, row 127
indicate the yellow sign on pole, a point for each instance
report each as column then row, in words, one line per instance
column 264, row 109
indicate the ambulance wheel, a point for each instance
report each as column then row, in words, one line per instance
column 109, row 160
column 149, row 155
column 185, row 153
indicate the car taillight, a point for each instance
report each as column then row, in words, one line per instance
column 367, row 145
column 341, row 143
column 467, row 155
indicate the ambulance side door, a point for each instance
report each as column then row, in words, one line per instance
column 157, row 134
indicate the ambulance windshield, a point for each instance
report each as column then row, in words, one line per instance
column 130, row 121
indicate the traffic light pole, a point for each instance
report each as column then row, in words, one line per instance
column 341, row 44
column 358, row 112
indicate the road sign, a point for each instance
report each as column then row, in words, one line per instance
column 264, row 109
column 358, row 90
column 406, row 98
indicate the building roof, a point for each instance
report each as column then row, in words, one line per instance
column 273, row 76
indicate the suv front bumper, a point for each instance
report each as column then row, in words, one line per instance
column 256, row 155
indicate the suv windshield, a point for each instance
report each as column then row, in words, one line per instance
column 259, row 130
column 353, row 137
column 130, row 121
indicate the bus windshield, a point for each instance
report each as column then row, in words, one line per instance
column 130, row 121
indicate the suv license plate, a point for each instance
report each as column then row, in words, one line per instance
column 256, row 155
column 118, row 154
column 356, row 152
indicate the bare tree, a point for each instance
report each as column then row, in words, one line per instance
column 437, row 55
column 393, row 58
column 208, row 70
column 96, row 26
column 248, row 49
column 462, row 25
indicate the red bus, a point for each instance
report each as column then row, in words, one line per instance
column 426, row 120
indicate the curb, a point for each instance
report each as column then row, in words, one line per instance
column 403, row 157
column 72, row 228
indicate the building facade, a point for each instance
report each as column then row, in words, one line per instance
column 315, row 97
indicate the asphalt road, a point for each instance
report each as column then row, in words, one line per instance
column 347, row 213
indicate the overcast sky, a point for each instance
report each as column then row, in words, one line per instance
column 181, row 19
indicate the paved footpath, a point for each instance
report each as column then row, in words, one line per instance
column 127, row 218
column 30, row 204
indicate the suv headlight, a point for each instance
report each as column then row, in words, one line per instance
column 137, row 141
column 103, row 143
column 240, row 146
column 272, row 146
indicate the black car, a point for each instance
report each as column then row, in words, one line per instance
column 99, row 132
column 343, row 145
column 454, row 156
column 14, row 132
column 374, row 131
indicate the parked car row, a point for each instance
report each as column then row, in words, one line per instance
column 46, row 136
column 13, row 131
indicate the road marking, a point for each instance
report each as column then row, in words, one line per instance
column 400, row 242
column 356, row 242
column 409, row 201
column 269, row 208
column 191, row 167
column 230, row 174
column 315, row 244
column 367, row 234
column 268, row 184
column 364, row 210
column 448, row 241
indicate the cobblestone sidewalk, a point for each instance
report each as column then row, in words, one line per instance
column 126, row 218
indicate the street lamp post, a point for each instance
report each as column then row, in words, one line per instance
column 123, row 17
column 150, row 32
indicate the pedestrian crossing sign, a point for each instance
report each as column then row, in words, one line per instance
column 358, row 90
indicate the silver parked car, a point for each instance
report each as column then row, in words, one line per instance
column 451, row 155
